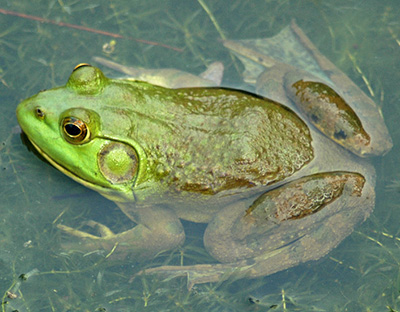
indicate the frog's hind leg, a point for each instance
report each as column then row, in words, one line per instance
column 291, row 50
column 297, row 222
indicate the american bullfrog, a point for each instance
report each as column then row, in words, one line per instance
column 278, row 184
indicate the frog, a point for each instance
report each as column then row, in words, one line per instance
column 280, row 176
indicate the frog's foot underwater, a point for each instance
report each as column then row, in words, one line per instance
column 143, row 241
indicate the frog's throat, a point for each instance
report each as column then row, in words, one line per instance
column 103, row 190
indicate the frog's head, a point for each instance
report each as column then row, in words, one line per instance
column 67, row 125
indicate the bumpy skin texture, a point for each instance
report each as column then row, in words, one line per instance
column 209, row 155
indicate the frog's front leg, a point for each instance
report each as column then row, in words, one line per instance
column 297, row 222
column 157, row 230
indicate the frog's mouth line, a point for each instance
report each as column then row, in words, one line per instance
column 64, row 170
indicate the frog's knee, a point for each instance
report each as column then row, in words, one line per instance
column 174, row 233
column 172, row 228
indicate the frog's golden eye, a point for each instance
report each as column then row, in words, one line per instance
column 39, row 113
column 75, row 131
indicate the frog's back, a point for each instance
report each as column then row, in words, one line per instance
column 225, row 139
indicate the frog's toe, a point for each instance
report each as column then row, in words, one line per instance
column 85, row 242
column 103, row 230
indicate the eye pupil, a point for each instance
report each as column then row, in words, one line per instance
column 75, row 130
column 72, row 130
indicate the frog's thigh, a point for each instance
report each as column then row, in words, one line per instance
column 299, row 221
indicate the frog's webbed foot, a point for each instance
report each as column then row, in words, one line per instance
column 200, row 273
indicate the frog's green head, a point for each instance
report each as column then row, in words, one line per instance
column 67, row 126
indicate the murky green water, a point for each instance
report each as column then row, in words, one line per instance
column 362, row 37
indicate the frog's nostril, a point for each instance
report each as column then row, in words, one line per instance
column 39, row 113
